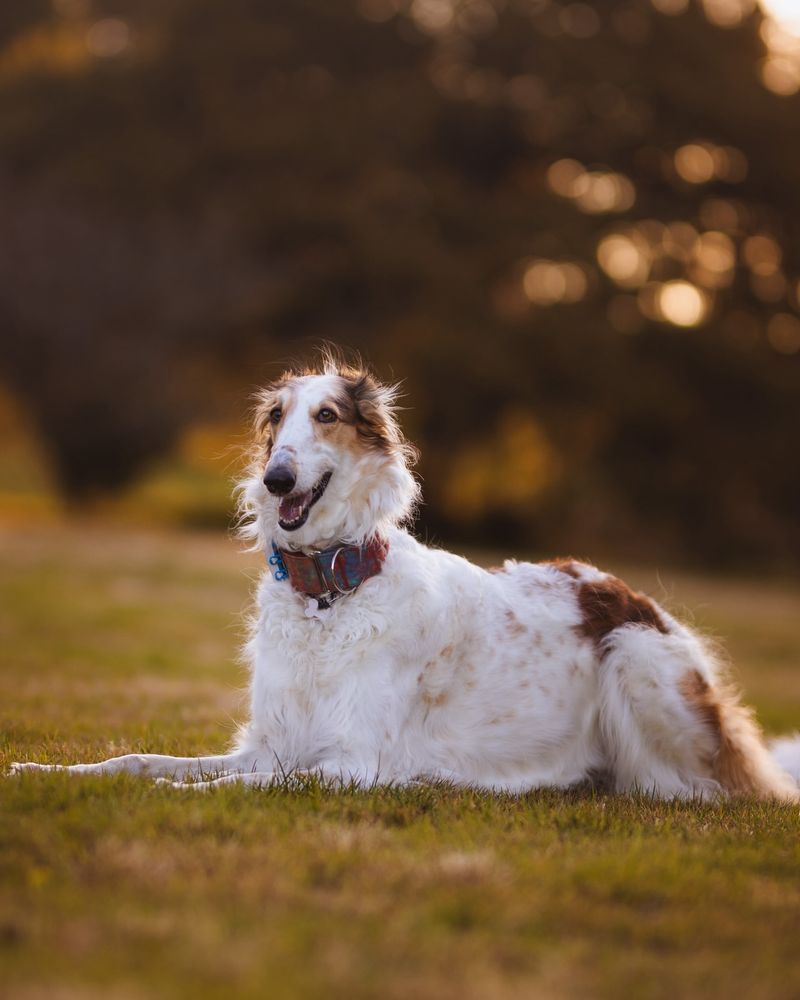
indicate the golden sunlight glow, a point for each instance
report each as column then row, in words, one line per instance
column 52, row 49
column 682, row 303
column 510, row 468
column 785, row 13
column 780, row 30
column 780, row 71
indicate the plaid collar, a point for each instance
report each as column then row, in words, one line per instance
column 329, row 574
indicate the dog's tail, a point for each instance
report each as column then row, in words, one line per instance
column 786, row 754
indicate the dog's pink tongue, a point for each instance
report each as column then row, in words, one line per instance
column 290, row 508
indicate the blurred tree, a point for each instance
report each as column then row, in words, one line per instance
column 575, row 220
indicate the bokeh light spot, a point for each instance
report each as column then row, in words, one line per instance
column 714, row 260
column 671, row 7
column 377, row 11
column 762, row 254
column 728, row 13
column 625, row 259
column 563, row 175
column 695, row 163
column 432, row 16
column 781, row 75
column 548, row 282
column 682, row 303
column 595, row 192
column 108, row 38
column 717, row 213
column 579, row 20
column 783, row 333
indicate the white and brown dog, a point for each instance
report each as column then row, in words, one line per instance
column 377, row 659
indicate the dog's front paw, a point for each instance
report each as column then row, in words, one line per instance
column 28, row 765
column 191, row 785
column 170, row 782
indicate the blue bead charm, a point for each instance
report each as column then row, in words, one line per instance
column 277, row 563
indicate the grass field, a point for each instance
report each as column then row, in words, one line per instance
column 115, row 888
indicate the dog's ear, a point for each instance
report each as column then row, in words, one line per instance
column 374, row 418
column 371, row 407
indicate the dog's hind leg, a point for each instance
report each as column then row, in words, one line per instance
column 671, row 728
column 154, row 765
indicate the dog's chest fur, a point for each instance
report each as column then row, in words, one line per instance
column 434, row 663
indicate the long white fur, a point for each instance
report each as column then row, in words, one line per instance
column 437, row 668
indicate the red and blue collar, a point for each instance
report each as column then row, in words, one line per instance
column 329, row 574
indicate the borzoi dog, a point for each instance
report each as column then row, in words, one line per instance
column 377, row 659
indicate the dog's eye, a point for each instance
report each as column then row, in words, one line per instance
column 275, row 415
column 326, row 416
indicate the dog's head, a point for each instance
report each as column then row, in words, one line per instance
column 331, row 463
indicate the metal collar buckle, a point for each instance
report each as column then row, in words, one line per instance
column 342, row 592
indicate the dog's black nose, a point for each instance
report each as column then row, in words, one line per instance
column 280, row 480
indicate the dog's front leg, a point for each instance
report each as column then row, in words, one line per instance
column 154, row 765
column 332, row 775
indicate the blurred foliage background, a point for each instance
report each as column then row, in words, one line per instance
column 571, row 228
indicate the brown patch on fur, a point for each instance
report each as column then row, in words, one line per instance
column 572, row 567
column 609, row 603
column 435, row 700
column 514, row 625
column 739, row 760
column 447, row 652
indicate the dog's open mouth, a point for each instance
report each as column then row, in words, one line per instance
column 293, row 510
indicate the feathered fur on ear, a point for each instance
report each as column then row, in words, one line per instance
column 372, row 408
